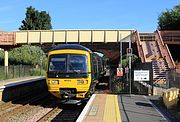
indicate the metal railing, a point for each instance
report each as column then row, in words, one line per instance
column 16, row 71
column 170, row 35
column 139, row 46
column 164, row 50
column 7, row 38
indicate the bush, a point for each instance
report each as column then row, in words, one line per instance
column 37, row 72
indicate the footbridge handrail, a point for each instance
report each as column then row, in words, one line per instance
column 139, row 46
column 164, row 50
column 7, row 38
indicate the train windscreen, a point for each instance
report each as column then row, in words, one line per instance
column 72, row 64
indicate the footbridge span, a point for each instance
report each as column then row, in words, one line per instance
column 105, row 41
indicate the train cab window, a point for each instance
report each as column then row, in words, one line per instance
column 77, row 63
column 57, row 63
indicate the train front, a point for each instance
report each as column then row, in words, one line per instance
column 69, row 73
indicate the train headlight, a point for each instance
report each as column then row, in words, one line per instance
column 82, row 82
column 55, row 82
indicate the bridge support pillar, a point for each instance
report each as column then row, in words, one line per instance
column 5, row 58
column 6, row 61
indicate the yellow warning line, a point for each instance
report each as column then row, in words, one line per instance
column 111, row 112
column 118, row 116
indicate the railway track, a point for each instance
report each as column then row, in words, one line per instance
column 65, row 113
column 40, row 107
column 16, row 110
column 43, row 107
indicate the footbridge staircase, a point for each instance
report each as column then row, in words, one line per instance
column 152, row 49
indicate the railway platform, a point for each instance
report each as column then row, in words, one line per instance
column 14, row 88
column 19, row 80
column 120, row 108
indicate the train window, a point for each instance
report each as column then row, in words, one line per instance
column 57, row 63
column 77, row 63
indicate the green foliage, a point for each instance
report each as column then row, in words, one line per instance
column 37, row 72
column 36, row 20
column 29, row 55
column 125, row 60
column 1, row 57
column 170, row 19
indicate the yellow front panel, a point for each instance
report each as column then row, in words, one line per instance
column 70, row 82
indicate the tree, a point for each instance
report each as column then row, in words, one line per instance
column 36, row 20
column 170, row 19
column 30, row 55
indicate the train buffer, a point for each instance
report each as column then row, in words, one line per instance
column 120, row 108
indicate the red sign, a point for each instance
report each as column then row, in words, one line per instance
column 119, row 71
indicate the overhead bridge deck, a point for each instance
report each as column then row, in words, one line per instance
column 64, row 36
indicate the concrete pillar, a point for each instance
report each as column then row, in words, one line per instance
column 5, row 58
column 6, row 62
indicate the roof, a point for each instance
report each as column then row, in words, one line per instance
column 71, row 46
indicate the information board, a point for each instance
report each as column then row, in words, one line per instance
column 141, row 75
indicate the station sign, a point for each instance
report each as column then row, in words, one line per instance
column 141, row 75
column 129, row 51
column 119, row 72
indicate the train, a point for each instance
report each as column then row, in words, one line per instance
column 73, row 71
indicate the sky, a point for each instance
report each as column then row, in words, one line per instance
column 140, row 15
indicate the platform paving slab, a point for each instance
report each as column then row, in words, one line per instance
column 138, row 108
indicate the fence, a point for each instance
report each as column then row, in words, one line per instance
column 16, row 71
column 173, row 79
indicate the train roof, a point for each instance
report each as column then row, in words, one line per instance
column 71, row 46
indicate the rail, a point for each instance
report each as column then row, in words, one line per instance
column 139, row 46
column 170, row 35
column 164, row 50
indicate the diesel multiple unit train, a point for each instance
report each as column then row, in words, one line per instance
column 73, row 71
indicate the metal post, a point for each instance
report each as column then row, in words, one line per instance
column 130, row 67
column 120, row 52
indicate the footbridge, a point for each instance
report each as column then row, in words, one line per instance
column 153, row 48
column 105, row 41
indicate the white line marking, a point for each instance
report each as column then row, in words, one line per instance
column 163, row 116
column 2, row 87
column 86, row 108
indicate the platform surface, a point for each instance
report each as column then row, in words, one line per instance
column 138, row 108
column 16, row 80
column 120, row 108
